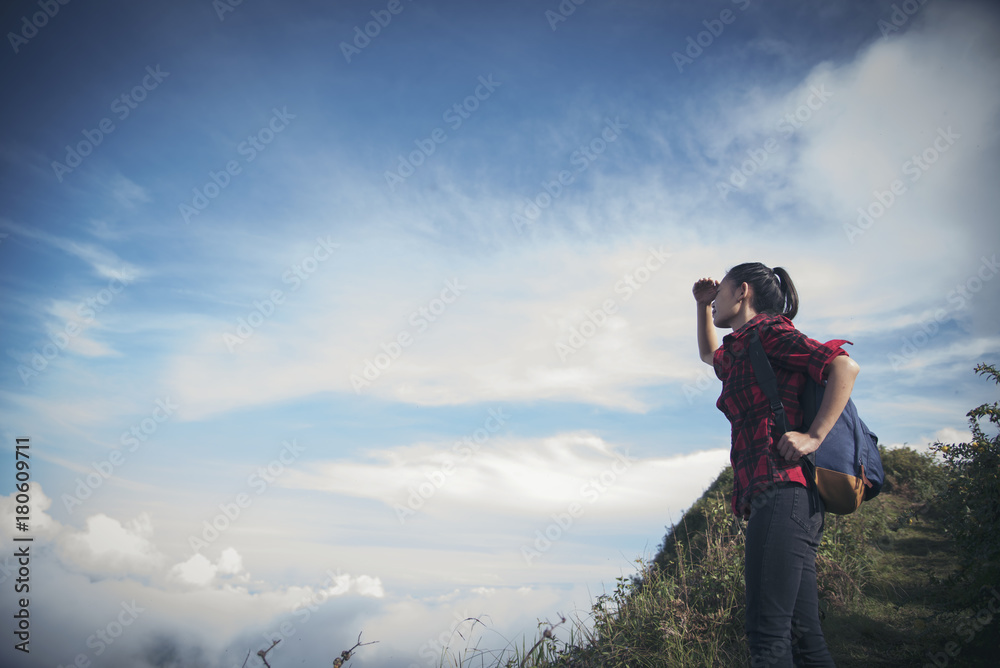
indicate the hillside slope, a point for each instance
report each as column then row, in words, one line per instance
column 889, row 582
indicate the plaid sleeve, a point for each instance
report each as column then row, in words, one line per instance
column 791, row 349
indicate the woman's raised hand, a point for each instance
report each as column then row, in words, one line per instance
column 705, row 290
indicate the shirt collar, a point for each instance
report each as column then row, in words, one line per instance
column 749, row 325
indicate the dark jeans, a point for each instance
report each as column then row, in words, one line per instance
column 785, row 528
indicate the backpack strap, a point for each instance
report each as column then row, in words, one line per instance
column 859, row 440
column 767, row 381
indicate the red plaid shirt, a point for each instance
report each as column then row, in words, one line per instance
column 756, row 461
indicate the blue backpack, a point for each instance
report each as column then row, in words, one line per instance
column 847, row 467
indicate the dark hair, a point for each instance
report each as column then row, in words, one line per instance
column 773, row 290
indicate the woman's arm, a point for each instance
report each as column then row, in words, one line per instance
column 839, row 383
column 708, row 341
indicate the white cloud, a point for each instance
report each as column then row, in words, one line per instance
column 496, row 341
column 127, row 192
column 197, row 570
column 913, row 357
column 509, row 478
column 951, row 435
column 230, row 562
column 946, row 435
column 369, row 586
column 892, row 102
column 107, row 548
column 111, row 571
column 103, row 262
column 71, row 322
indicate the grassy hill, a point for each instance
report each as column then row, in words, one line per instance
column 889, row 577
column 911, row 579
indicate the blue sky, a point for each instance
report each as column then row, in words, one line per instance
column 387, row 309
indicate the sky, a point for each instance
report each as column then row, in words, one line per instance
column 328, row 319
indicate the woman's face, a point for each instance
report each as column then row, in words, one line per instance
column 726, row 305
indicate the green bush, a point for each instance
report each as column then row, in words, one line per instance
column 972, row 499
column 912, row 473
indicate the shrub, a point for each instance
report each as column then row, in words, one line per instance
column 972, row 499
column 912, row 473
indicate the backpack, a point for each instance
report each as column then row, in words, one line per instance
column 847, row 467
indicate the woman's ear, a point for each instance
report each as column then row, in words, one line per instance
column 744, row 291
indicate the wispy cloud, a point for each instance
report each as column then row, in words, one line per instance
column 512, row 478
column 103, row 262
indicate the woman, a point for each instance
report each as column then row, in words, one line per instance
column 785, row 513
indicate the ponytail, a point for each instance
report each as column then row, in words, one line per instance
column 773, row 290
column 790, row 296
